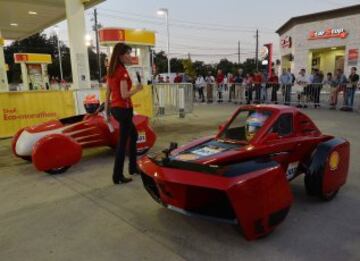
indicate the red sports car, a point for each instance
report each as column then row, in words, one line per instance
column 56, row 145
column 242, row 174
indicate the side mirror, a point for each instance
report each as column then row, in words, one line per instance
column 272, row 136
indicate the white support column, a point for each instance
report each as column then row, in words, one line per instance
column 25, row 77
column 78, row 51
column 4, row 85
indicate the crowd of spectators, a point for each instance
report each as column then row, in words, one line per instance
column 301, row 90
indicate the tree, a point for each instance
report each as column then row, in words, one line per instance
column 40, row 43
column 226, row 66
column 189, row 68
column 160, row 61
column 176, row 65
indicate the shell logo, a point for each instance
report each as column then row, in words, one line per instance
column 334, row 161
column 121, row 35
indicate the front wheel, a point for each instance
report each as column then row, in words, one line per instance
column 313, row 188
column 57, row 170
column 329, row 196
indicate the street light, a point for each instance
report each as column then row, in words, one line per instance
column 59, row 52
column 165, row 12
column 88, row 40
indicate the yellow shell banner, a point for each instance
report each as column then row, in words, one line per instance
column 22, row 109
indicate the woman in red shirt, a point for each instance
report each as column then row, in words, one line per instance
column 119, row 89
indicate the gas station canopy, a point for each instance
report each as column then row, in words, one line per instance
column 22, row 18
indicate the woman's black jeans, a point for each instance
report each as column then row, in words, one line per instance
column 127, row 130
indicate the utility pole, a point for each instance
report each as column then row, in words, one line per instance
column 238, row 52
column 257, row 50
column 96, row 30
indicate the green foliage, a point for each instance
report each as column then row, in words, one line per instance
column 40, row 43
column 189, row 68
column 199, row 67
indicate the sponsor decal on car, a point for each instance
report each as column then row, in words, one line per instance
column 291, row 170
column 208, row 151
column 334, row 160
column 187, row 157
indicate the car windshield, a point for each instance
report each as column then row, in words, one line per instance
column 245, row 125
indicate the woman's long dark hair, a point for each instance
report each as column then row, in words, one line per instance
column 119, row 49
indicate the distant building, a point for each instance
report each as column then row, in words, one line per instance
column 327, row 40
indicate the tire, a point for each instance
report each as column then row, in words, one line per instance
column 57, row 170
column 314, row 188
column 26, row 158
column 142, row 152
column 329, row 196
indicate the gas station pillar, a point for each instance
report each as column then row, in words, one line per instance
column 78, row 51
column 4, row 85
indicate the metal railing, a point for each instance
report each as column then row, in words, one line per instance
column 173, row 98
column 345, row 97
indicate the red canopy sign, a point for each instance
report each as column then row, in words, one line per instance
column 328, row 33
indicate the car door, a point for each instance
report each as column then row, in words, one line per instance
column 284, row 146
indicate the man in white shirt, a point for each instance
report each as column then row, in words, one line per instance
column 210, row 81
column 302, row 81
column 200, row 85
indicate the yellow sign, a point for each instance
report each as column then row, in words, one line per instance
column 139, row 37
column 2, row 41
column 142, row 101
column 110, row 36
column 22, row 109
column 36, row 58
column 334, row 160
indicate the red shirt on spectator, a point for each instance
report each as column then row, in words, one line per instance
column 220, row 78
column 178, row 79
column 231, row 79
column 114, row 84
column 274, row 79
column 257, row 79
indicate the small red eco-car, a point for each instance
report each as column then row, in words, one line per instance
column 242, row 174
column 56, row 145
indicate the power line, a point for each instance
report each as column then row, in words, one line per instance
column 196, row 23
column 183, row 25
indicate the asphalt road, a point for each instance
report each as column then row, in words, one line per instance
column 81, row 215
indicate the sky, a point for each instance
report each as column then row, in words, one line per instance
column 207, row 30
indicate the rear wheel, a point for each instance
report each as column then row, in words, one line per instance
column 57, row 170
column 27, row 158
column 142, row 152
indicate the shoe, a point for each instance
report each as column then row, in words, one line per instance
column 115, row 180
column 125, row 180
column 120, row 180
column 135, row 172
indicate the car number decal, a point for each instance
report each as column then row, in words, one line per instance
column 291, row 170
column 141, row 137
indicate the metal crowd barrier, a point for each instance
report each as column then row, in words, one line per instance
column 173, row 98
column 311, row 95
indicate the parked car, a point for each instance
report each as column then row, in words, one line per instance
column 241, row 175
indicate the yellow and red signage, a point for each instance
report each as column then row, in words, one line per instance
column 328, row 34
column 110, row 36
column 32, row 58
